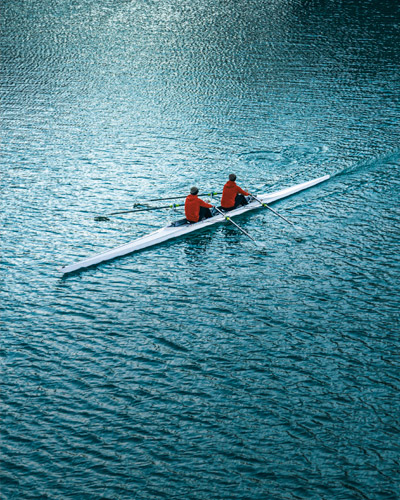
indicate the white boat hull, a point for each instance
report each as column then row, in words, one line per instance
column 168, row 232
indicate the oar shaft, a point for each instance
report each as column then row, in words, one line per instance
column 226, row 217
column 181, row 197
column 159, row 208
column 272, row 210
column 175, row 205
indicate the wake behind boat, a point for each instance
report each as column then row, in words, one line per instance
column 182, row 228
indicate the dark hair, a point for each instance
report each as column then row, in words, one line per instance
column 232, row 177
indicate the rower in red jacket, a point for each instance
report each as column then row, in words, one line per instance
column 232, row 195
column 195, row 208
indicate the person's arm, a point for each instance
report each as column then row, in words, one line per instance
column 204, row 204
column 241, row 191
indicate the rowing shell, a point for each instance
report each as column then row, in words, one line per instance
column 169, row 232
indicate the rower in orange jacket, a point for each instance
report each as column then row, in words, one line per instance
column 195, row 208
column 232, row 195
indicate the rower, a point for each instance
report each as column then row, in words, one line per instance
column 195, row 208
column 233, row 196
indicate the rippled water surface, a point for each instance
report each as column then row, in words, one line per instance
column 205, row 368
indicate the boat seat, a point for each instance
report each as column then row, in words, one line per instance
column 180, row 222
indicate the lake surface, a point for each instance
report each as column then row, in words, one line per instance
column 205, row 368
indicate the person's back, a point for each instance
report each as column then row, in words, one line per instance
column 195, row 208
column 233, row 195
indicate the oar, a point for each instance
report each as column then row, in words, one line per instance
column 272, row 210
column 276, row 213
column 181, row 197
column 174, row 205
column 103, row 218
column 234, row 223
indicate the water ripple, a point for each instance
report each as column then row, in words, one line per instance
column 203, row 368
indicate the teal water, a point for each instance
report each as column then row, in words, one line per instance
column 203, row 368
